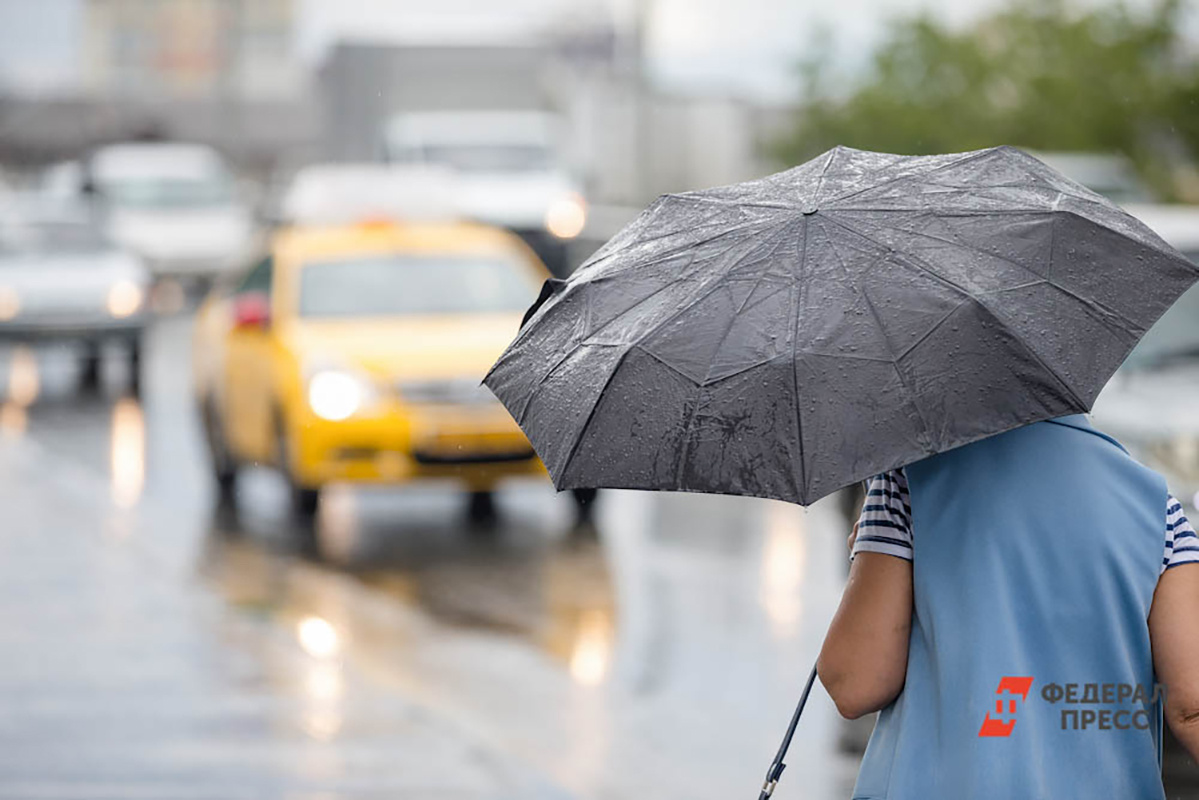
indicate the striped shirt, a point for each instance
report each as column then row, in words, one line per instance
column 886, row 523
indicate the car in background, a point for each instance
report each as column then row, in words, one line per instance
column 353, row 352
column 1151, row 402
column 61, row 279
column 1112, row 175
column 509, row 168
column 175, row 205
column 321, row 194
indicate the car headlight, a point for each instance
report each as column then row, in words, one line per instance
column 335, row 394
column 566, row 216
column 124, row 298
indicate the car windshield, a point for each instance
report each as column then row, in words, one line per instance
column 168, row 192
column 480, row 157
column 402, row 285
column 49, row 238
column 1175, row 336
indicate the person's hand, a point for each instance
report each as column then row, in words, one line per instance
column 853, row 537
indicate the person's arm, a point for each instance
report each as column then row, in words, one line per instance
column 864, row 660
column 1174, row 633
column 1174, row 629
column 863, row 663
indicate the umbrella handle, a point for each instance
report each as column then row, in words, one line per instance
column 777, row 766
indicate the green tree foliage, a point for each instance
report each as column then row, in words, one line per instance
column 1044, row 74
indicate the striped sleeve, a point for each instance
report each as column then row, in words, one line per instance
column 886, row 522
column 1182, row 545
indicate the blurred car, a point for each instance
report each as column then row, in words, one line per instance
column 353, row 352
column 1110, row 174
column 1150, row 403
column 175, row 205
column 509, row 171
column 61, row 279
column 320, row 194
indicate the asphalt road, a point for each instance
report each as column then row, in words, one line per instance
column 157, row 645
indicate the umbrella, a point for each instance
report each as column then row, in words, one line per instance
column 788, row 336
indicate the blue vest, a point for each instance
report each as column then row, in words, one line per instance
column 1036, row 554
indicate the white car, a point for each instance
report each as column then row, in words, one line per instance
column 61, row 279
column 509, row 171
column 175, row 205
column 1151, row 404
column 332, row 194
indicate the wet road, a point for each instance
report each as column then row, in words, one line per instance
column 156, row 645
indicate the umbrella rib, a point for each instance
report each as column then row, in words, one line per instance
column 685, row 444
column 1048, row 369
column 574, row 447
column 541, row 382
column 1094, row 305
column 832, row 154
column 559, row 362
column 638, row 242
column 972, row 248
column 652, row 294
column 925, row 210
column 856, row 286
column 882, row 330
column 686, row 441
column 724, row 201
column 964, row 160
column 802, row 488
column 668, row 254
column 931, row 330
column 846, row 356
column 906, row 257
column 744, row 303
column 715, row 285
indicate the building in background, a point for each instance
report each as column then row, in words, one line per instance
column 227, row 73
column 191, row 49
column 222, row 72
column 626, row 140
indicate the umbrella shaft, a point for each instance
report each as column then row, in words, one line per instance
column 777, row 766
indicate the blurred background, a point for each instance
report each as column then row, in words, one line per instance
column 265, row 536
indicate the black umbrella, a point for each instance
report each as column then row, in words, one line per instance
column 789, row 336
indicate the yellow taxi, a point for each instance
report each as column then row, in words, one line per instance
column 353, row 353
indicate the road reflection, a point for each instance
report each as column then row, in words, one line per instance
column 670, row 643
column 592, row 649
column 128, row 453
column 13, row 420
column 21, row 389
column 24, row 381
column 522, row 577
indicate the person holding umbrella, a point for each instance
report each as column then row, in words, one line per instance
column 1037, row 553
column 953, row 316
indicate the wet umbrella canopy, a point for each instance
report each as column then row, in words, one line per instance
column 788, row 336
